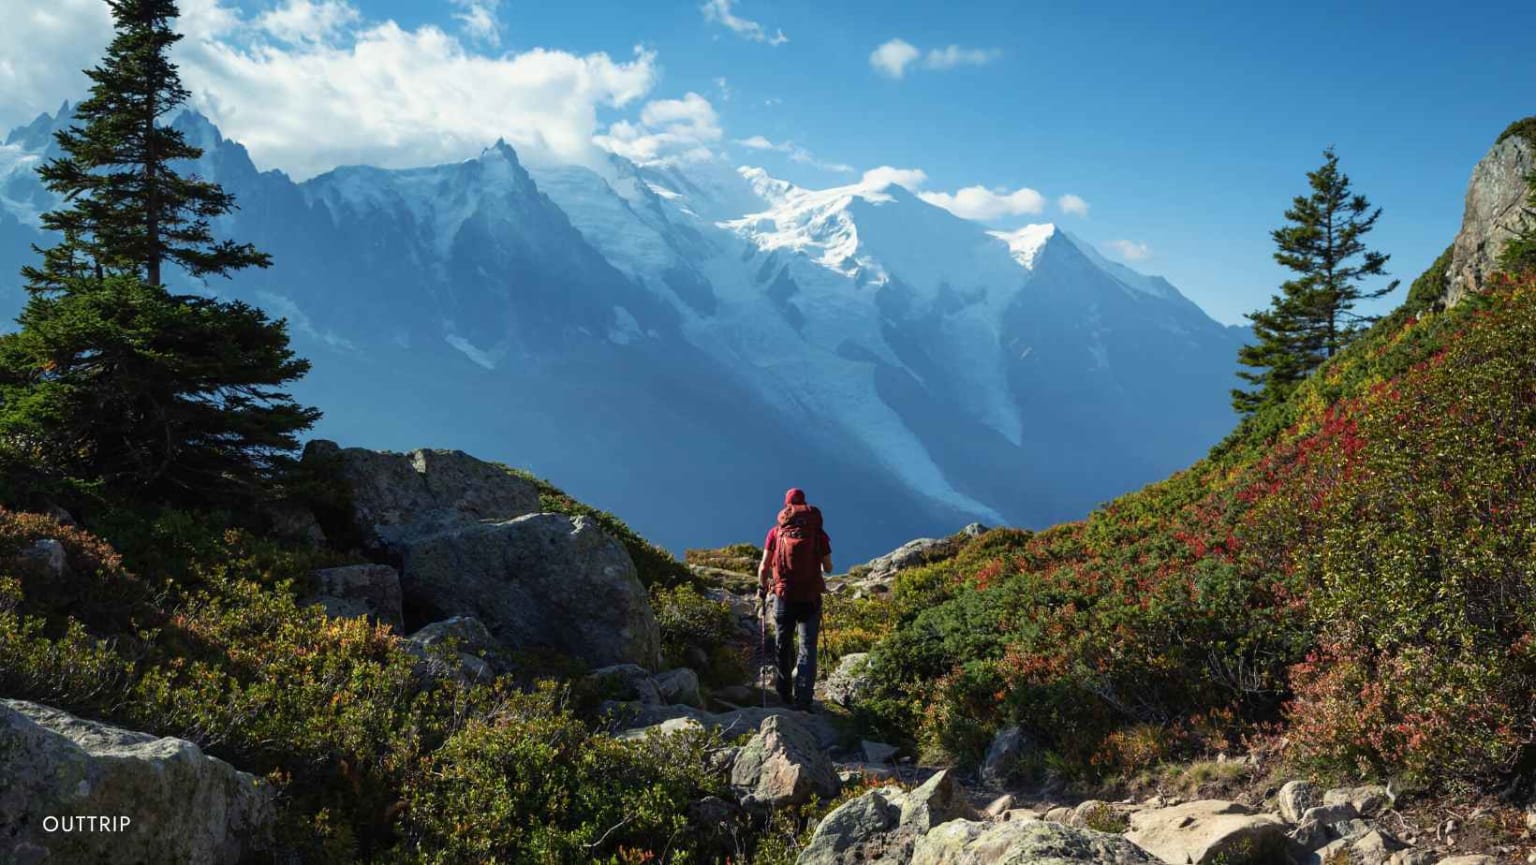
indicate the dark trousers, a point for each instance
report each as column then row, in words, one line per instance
column 795, row 673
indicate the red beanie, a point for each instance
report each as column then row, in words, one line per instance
column 795, row 496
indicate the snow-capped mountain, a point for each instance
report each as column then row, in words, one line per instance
column 680, row 343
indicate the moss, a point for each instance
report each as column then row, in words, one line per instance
column 655, row 566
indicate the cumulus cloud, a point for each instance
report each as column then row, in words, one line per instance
column 1129, row 250
column 720, row 12
column 795, row 152
column 1072, row 204
column 310, row 84
column 894, row 57
column 909, row 178
column 669, row 130
column 979, row 202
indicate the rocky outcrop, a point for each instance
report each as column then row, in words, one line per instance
column 397, row 498
column 469, row 541
column 782, row 765
column 1494, row 212
column 127, row 797
column 1295, row 798
column 1023, row 842
column 1208, row 831
column 542, row 580
column 909, row 555
column 353, row 591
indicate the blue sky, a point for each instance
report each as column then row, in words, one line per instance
column 1184, row 127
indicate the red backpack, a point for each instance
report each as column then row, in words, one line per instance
column 796, row 554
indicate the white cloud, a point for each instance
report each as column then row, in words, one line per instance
column 360, row 92
column 723, row 87
column 301, row 21
column 669, row 130
column 43, row 48
column 951, row 56
column 979, row 202
column 795, row 152
column 1073, row 204
column 1130, row 250
column 910, row 178
column 478, row 18
column 894, row 57
column 720, row 12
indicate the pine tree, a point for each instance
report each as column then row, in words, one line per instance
column 1314, row 315
column 128, row 210
column 114, row 384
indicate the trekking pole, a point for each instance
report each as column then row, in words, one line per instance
column 762, row 645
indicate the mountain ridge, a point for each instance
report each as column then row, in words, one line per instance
column 541, row 314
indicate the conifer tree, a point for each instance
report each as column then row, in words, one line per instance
column 115, row 384
column 1314, row 315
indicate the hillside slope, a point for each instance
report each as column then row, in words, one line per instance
column 1358, row 564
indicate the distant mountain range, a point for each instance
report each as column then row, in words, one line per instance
column 680, row 343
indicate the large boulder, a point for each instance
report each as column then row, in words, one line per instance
column 1494, row 212
column 397, row 498
column 73, row 790
column 353, row 591
column 1209, row 831
column 1023, row 842
column 538, row 581
column 782, row 765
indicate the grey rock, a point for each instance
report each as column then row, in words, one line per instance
column 360, row 590
column 736, row 722
column 679, row 686
column 974, row 530
column 49, row 553
column 909, row 555
column 181, row 805
column 665, row 728
column 543, row 580
column 1208, row 831
column 1023, row 842
column 398, row 498
column 938, row 800
column 1328, row 814
column 878, row 752
column 1413, row 857
column 1373, row 848
column 1309, row 834
column 1493, row 214
column 850, row 681
column 295, row 522
column 999, row 806
column 475, row 655
column 859, row 830
column 1472, row 859
column 1368, row 800
column 1001, row 762
column 782, row 765
column 625, row 682
column 1295, row 798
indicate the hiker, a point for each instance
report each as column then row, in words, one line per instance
column 795, row 555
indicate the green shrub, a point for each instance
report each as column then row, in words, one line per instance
column 530, row 784
column 690, row 620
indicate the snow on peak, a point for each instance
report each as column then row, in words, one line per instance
column 813, row 222
column 1026, row 243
